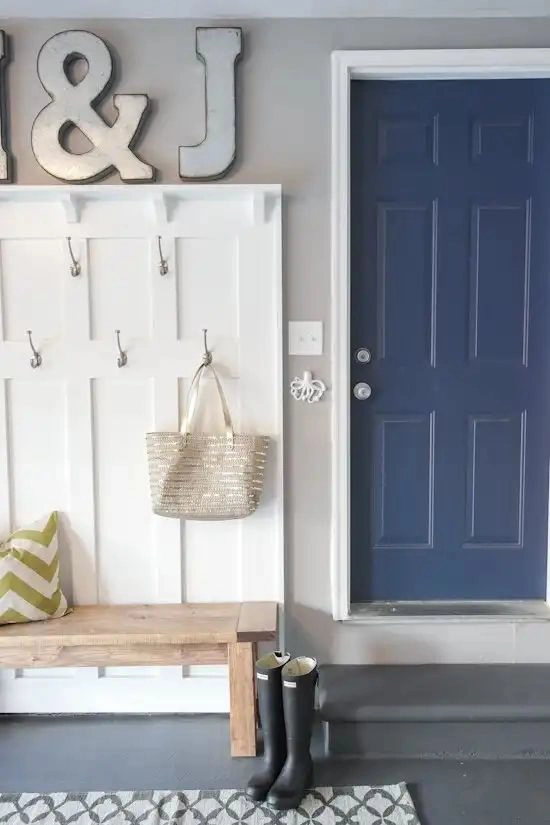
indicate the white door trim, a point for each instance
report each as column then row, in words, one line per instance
column 408, row 64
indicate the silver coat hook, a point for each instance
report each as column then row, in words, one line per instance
column 163, row 263
column 207, row 357
column 36, row 359
column 75, row 266
column 122, row 358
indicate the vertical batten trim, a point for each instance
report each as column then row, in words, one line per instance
column 241, row 531
column 6, row 484
column 6, row 499
column 259, row 291
column 167, row 535
column 81, row 484
column 5, row 473
column 261, row 377
column 278, row 369
column 2, row 309
column 80, row 430
column 82, row 492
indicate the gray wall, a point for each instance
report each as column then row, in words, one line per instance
column 284, row 137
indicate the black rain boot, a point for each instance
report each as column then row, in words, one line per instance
column 299, row 679
column 270, row 701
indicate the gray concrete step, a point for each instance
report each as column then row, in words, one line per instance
column 436, row 711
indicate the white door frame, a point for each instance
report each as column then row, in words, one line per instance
column 421, row 64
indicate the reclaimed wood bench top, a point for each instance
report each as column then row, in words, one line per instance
column 158, row 624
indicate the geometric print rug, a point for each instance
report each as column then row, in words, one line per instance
column 357, row 805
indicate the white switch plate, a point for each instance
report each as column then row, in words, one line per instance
column 305, row 338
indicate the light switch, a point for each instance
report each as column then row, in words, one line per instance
column 305, row 338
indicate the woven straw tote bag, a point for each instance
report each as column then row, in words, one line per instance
column 204, row 476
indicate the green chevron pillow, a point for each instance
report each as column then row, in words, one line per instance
column 29, row 574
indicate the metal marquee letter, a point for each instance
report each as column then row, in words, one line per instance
column 218, row 48
column 4, row 160
column 73, row 103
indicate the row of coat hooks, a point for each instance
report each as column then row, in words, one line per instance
column 75, row 268
column 122, row 355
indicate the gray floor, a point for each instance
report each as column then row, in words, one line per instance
column 133, row 753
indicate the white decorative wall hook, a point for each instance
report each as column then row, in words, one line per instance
column 75, row 268
column 36, row 359
column 308, row 388
column 163, row 263
column 122, row 358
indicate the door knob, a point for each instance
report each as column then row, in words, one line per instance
column 363, row 355
column 362, row 391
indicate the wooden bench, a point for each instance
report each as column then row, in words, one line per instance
column 163, row 634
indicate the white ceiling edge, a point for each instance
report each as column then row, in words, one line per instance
column 262, row 9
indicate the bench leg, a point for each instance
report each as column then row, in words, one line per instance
column 242, row 698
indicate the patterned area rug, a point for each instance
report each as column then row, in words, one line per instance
column 360, row 805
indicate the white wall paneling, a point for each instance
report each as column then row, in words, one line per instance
column 72, row 432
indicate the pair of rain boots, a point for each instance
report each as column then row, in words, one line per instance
column 286, row 695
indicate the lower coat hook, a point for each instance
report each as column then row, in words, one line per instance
column 36, row 359
column 163, row 263
column 122, row 358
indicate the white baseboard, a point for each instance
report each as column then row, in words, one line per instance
column 148, row 694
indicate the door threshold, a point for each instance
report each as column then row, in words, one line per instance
column 450, row 611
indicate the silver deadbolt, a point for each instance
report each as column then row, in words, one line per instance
column 362, row 391
column 363, row 355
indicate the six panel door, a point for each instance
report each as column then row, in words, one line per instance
column 450, row 255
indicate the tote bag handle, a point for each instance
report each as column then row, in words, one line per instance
column 193, row 397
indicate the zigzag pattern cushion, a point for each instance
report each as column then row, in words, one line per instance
column 29, row 574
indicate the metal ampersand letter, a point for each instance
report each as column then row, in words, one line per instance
column 218, row 48
column 73, row 104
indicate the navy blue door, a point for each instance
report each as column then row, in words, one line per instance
column 450, row 258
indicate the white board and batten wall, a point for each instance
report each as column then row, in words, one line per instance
column 72, row 432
